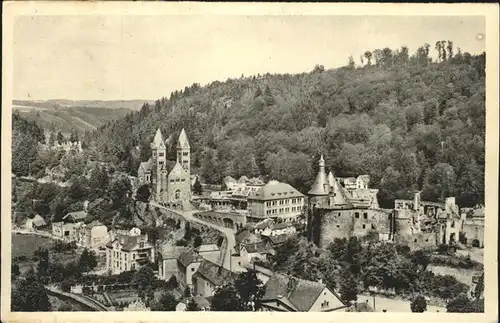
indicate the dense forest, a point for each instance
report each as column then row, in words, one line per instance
column 410, row 122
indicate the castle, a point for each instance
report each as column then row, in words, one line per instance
column 344, row 207
column 341, row 208
column 169, row 186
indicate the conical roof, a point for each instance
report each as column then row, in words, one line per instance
column 158, row 140
column 320, row 186
column 183, row 142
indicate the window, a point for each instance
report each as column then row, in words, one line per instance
column 177, row 179
column 365, row 215
column 172, row 180
column 338, row 214
column 161, row 154
column 374, row 226
column 364, row 226
column 185, row 153
column 133, row 256
column 338, row 226
column 415, row 240
column 356, row 215
column 183, row 180
column 160, row 162
column 192, row 269
column 185, row 161
column 325, row 304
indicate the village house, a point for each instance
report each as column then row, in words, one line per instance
column 94, row 235
column 35, row 223
column 250, row 253
column 275, row 200
column 208, row 277
column 202, row 302
column 188, row 263
column 65, row 231
column 344, row 208
column 75, row 217
column 290, row 294
column 128, row 252
column 170, row 186
column 167, row 262
column 277, row 229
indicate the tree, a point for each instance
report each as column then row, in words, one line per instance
column 167, row 302
column 192, row 306
column 462, row 304
column 368, row 56
column 42, row 268
column 197, row 189
column 87, row 260
column 187, row 291
column 479, row 288
column 144, row 279
column 60, row 138
column 348, row 288
column 15, row 270
column 418, row 304
column 249, row 288
column 197, row 241
column 226, row 299
column 172, row 282
column 351, row 63
column 29, row 295
column 143, row 194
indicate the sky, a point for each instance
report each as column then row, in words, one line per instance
column 146, row 57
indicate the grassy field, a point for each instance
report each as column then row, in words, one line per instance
column 26, row 245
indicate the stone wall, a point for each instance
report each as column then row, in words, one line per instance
column 473, row 230
column 325, row 225
column 421, row 240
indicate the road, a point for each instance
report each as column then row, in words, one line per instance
column 228, row 232
column 394, row 305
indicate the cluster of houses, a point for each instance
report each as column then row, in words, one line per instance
column 93, row 235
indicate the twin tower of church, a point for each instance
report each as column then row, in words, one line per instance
column 169, row 184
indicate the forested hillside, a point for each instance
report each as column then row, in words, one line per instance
column 68, row 119
column 408, row 122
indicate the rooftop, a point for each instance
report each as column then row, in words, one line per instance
column 274, row 190
column 215, row 274
column 299, row 293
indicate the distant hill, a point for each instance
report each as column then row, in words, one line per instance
column 68, row 115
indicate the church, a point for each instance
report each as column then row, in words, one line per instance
column 169, row 185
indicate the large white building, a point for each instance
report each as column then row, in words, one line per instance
column 275, row 200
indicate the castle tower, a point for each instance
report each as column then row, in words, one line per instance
column 320, row 189
column 184, row 151
column 158, row 178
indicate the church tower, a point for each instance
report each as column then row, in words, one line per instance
column 158, row 177
column 184, row 151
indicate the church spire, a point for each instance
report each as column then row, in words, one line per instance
column 183, row 142
column 158, row 140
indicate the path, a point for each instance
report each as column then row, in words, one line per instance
column 394, row 305
column 82, row 299
column 228, row 232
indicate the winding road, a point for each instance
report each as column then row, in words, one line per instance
column 228, row 232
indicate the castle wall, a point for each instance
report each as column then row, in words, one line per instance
column 420, row 240
column 326, row 224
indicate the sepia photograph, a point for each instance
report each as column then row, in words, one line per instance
column 166, row 161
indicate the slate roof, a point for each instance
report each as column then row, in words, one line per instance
column 213, row 273
column 321, row 181
column 275, row 240
column 207, row 248
column 301, row 294
column 78, row 215
column 177, row 170
column 183, row 142
column 258, row 248
column 158, row 140
column 263, row 224
column 282, row 225
column 147, row 165
column 274, row 190
column 129, row 243
column 188, row 257
column 247, row 237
